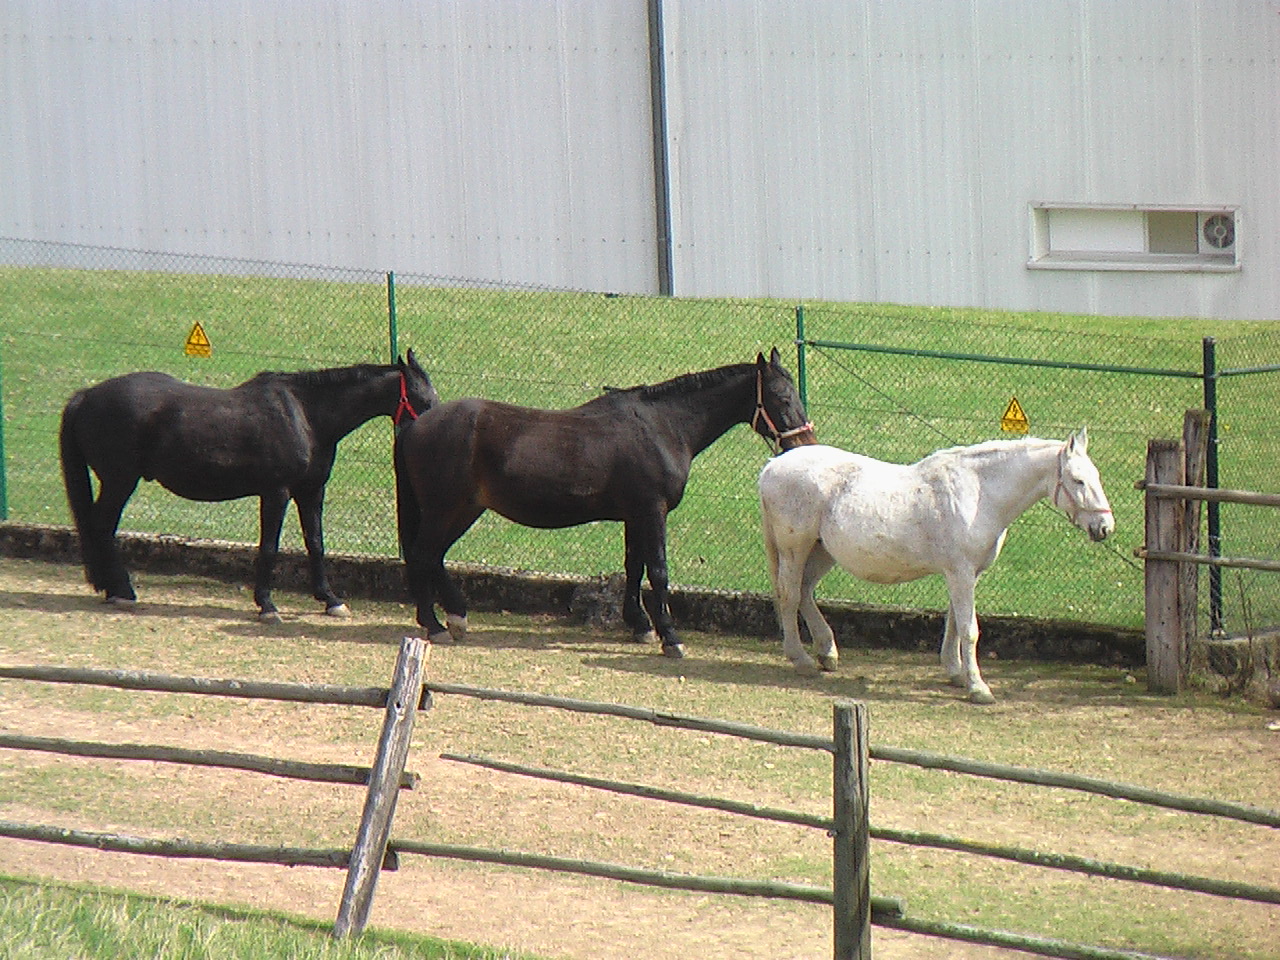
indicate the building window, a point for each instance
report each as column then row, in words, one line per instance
column 1067, row 236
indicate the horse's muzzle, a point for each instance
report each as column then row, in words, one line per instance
column 1102, row 527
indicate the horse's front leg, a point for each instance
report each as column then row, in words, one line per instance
column 310, row 503
column 633, row 614
column 271, row 507
column 960, row 642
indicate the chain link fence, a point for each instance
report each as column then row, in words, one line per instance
column 899, row 383
column 74, row 315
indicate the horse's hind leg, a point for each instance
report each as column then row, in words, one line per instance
column 788, row 593
column 429, row 581
column 647, row 539
column 633, row 613
column 271, row 509
column 107, row 571
column 310, row 516
column 824, row 640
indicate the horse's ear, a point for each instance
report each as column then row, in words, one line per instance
column 774, row 357
column 1079, row 440
column 759, row 359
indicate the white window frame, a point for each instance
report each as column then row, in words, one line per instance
column 1121, row 239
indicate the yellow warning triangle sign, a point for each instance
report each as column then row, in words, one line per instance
column 198, row 344
column 1014, row 419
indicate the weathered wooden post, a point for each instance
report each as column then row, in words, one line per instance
column 851, row 836
column 1163, row 535
column 384, row 783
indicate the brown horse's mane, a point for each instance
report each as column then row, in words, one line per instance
column 332, row 376
column 691, row 382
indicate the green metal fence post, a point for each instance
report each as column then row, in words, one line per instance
column 392, row 333
column 801, row 377
column 1211, row 480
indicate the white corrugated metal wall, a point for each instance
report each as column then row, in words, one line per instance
column 495, row 139
column 820, row 150
column 889, row 151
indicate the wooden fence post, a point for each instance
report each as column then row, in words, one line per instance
column 851, row 836
column 384, row 782
column 1164, row 524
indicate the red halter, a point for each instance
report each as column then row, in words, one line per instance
column 404, row 406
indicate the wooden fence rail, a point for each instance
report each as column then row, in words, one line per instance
column 1055, row 861
column 854, row 909
column 370, row 854
column 884, row 911
column 1170, row 551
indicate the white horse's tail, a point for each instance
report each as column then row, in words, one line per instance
column 770, row 547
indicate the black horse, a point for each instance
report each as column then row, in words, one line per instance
column 273, row 437
column 623, row 456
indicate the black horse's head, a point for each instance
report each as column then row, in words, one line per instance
column 417, row 395
column 779, row 415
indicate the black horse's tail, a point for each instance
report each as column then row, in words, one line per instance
column 75, row 477
column 407, row 510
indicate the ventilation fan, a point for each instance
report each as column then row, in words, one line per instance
column 1218, row 231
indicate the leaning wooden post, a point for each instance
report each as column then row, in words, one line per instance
column 1164, row 629
column 851, row 835
column 384, row 783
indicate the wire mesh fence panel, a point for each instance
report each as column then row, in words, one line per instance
column 877, row 387
column 554, row 350
column 74, row 315
column 1249, row 457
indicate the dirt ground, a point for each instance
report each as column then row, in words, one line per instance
column 551, row 914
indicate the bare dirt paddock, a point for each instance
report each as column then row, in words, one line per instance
column 1090, row 720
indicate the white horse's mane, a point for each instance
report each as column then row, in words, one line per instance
column 986, row 447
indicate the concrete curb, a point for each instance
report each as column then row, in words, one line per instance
column 495, row 589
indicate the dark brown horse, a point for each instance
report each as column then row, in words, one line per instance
column 623, row 456
column 273, row 437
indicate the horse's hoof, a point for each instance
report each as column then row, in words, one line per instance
column 121, row 603
column 644, row 636
column 339, row 610
column 673, row 651
column 982, row 697
column 443, row 637
column 457, row 626
column 829, row 664
column 270, row 616
column 958, row 680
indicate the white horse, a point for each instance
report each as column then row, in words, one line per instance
column 890, row 523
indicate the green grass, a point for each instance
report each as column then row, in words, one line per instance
column 51, row 921
column 62, row 329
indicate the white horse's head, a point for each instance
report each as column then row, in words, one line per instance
column 1078, row 492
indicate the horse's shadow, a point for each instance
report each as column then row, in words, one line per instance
column 323, row 628
column 68, row 603
column 604, row 650
column 234, row 620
